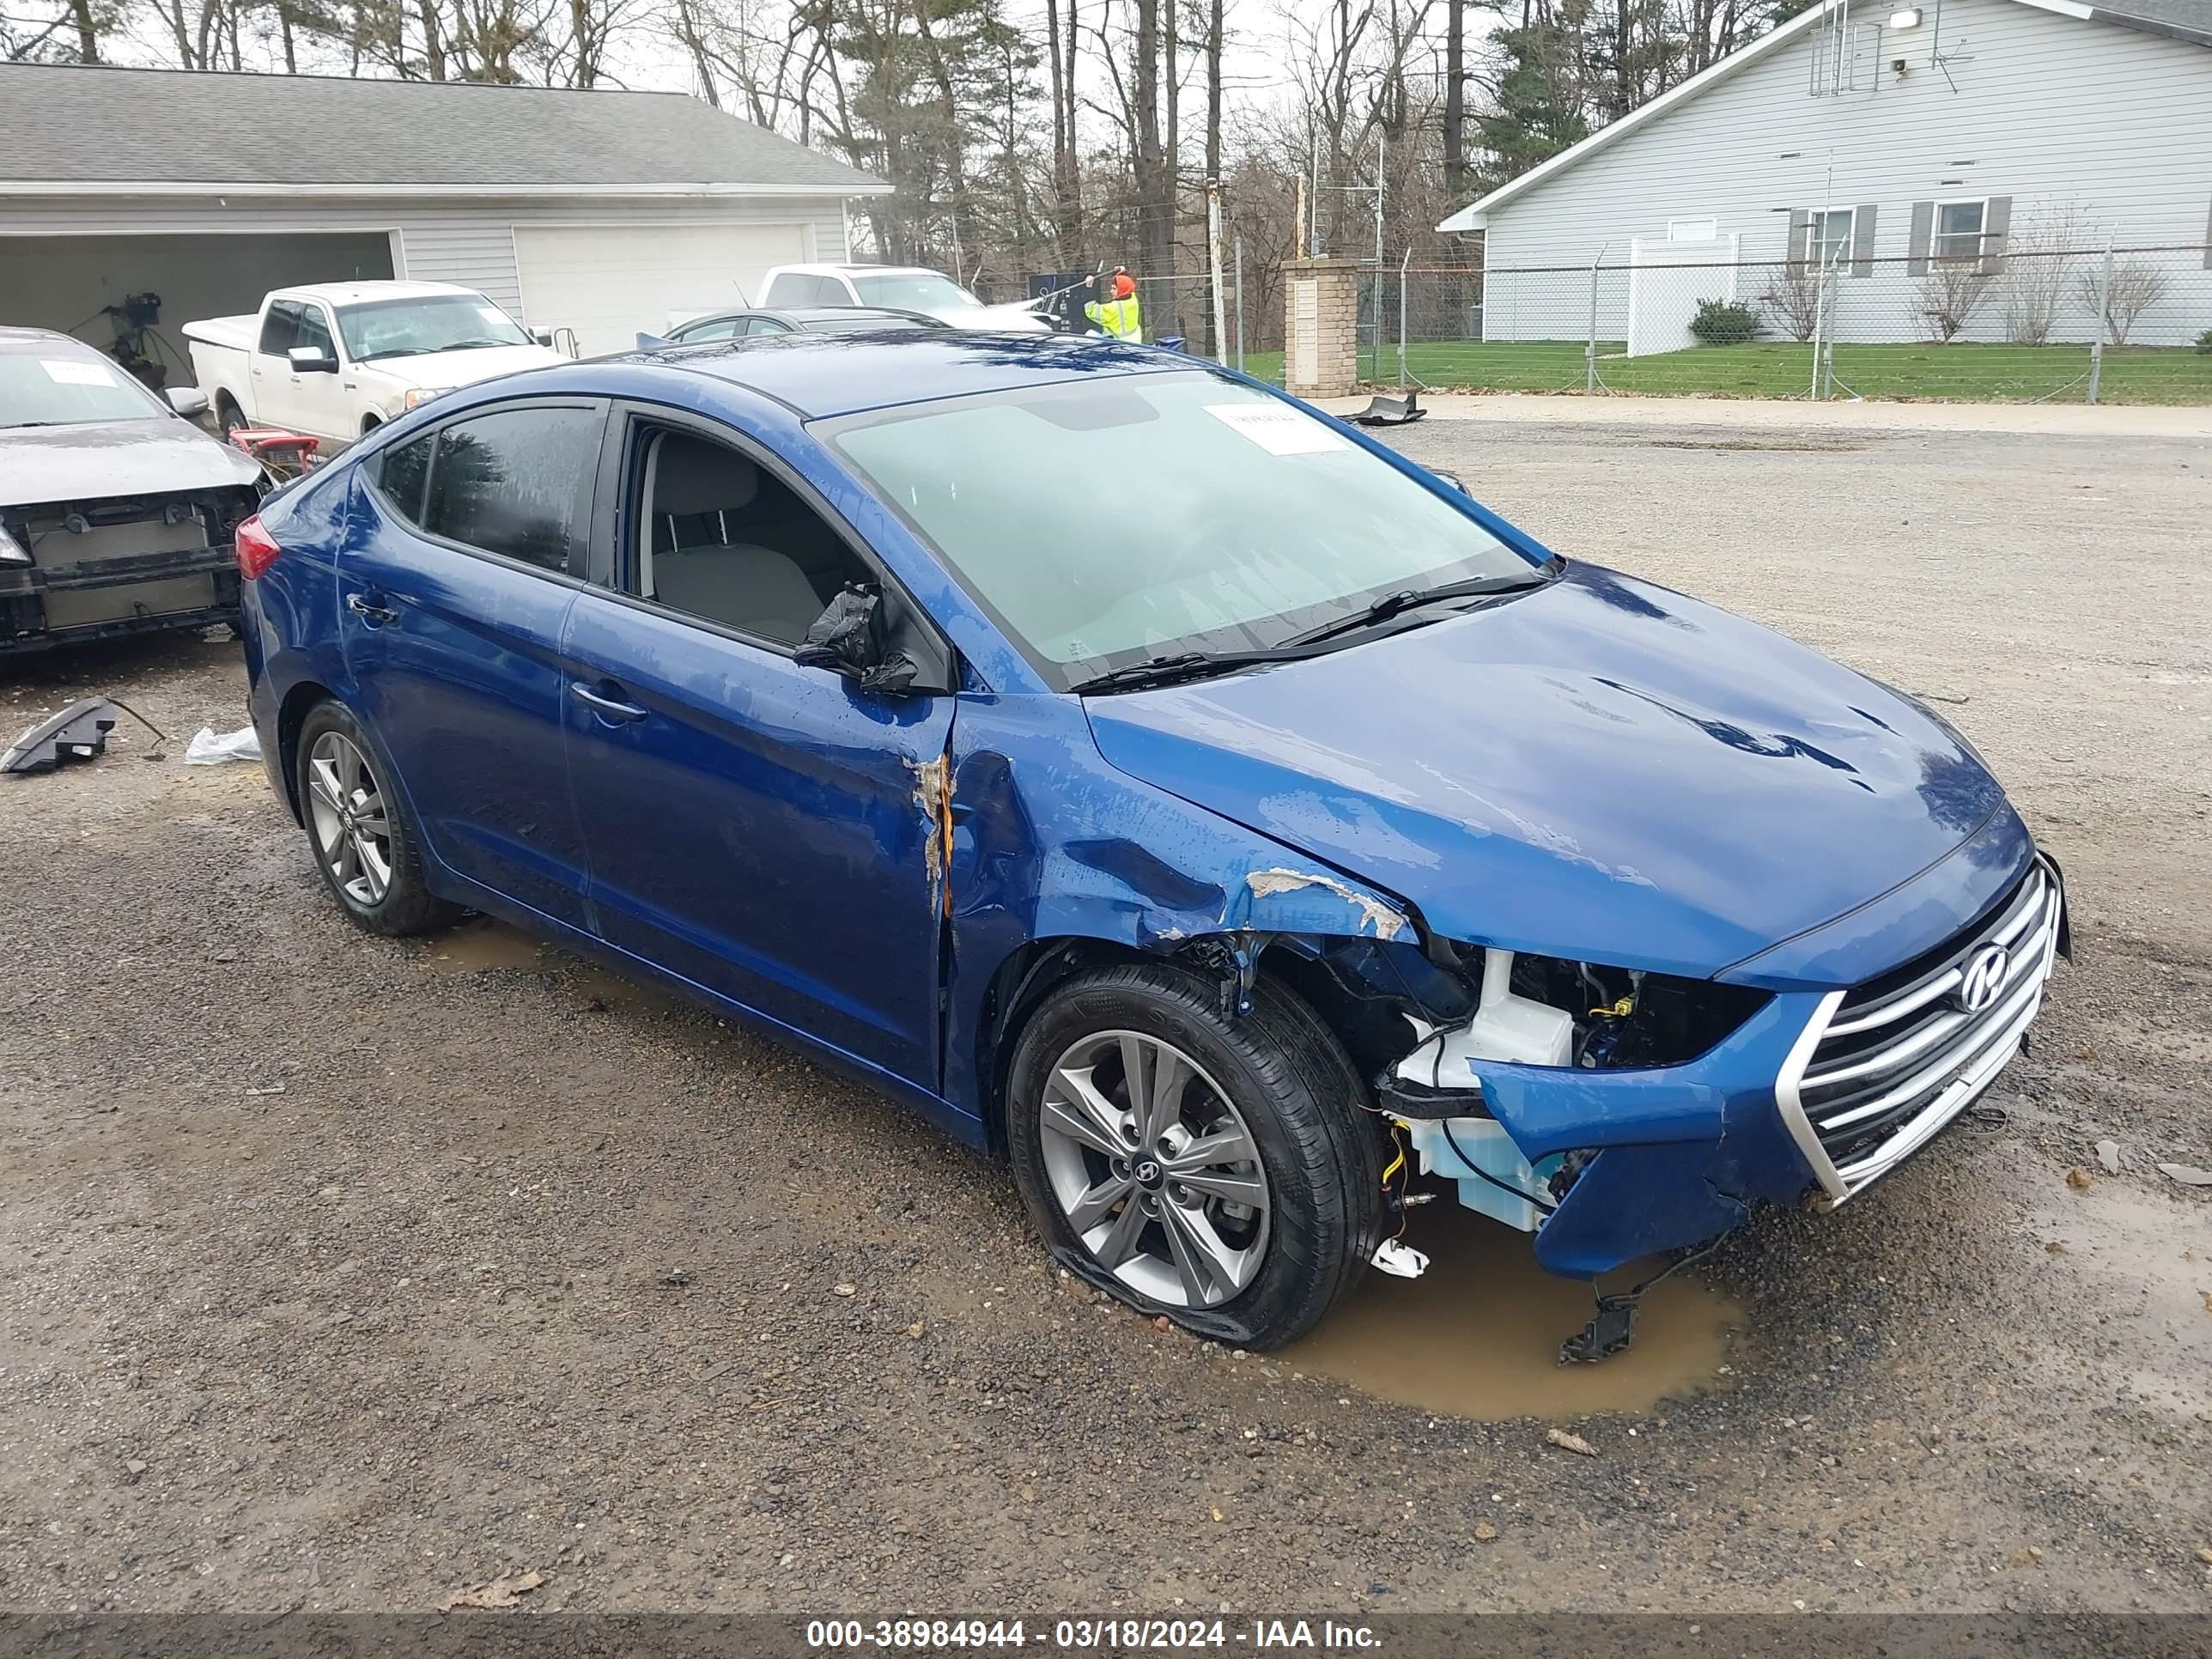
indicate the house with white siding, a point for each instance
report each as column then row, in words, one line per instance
column 1873, row 155
column 599, row 212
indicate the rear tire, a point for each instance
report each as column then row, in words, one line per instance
column 1241, row 1201
column 228, row 418
column 365, row 844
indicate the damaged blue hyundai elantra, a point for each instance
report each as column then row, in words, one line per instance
column 1155, row 782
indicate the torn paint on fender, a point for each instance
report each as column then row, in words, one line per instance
column 933, row 798
column 1387, row 922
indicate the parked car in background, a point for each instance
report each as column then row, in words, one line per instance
column 754, row 325
column 116, row 510
column 900, row 287
column 336, row 359
column 1218, row 848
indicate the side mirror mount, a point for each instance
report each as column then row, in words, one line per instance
column 188, row 401
column 847, row 639
column 312, row 360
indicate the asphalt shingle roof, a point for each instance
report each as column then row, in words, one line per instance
column 2187, row 19
column 68, row 124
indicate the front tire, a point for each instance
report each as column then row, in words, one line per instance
column 1219, row 1171
column 365, row 844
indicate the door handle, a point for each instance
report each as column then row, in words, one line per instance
column 369, row 612
column 612, row 708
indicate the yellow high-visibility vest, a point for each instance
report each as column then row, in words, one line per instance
column 1120, row 317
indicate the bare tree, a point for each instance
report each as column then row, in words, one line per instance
column 2137, row 286
column 1792, row 297
column 1950, row 294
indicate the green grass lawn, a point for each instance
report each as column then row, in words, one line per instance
column 1971, row 374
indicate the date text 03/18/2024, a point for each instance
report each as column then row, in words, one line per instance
column 1083, row 1635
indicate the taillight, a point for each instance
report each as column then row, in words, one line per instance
column 256, row 548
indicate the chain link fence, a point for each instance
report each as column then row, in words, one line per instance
column 2125, row 324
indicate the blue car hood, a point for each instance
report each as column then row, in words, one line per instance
column 1600, row 770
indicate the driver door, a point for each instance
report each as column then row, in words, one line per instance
column 764, row 829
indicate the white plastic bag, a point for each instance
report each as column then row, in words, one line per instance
column 208, row 750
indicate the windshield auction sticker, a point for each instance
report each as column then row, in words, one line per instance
column 65, row 373
column 1279, row 431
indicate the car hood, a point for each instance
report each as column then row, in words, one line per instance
column 104, row 459
column 1600, row 770
column 447, row 370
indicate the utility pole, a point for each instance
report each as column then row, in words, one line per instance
column 1213, row 265
column 1455, row 99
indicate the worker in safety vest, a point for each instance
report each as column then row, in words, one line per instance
column 1119, row 316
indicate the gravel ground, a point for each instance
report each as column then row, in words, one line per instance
column 336, row 1272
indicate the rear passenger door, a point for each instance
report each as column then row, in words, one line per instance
column 766, row 830
column 467, row 550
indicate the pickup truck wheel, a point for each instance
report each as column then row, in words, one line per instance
column 364, row 842
column 228, row 417
column 1219, row 1171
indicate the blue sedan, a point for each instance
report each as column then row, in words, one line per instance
column 1155, row 782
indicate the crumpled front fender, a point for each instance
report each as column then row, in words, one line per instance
column 1049, row 842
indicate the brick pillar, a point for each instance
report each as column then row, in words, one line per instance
column 1321, row 327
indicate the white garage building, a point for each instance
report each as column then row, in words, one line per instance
column 600, row 212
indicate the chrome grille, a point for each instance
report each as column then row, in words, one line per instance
column 1882, row 1068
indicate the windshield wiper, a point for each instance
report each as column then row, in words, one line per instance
column 1410, row 599
column 395, row 351
column 1183, row 666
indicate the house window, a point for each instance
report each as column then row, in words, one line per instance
column 1828, row 236
column 1959, row 229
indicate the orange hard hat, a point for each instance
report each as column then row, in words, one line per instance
column 1124, row 285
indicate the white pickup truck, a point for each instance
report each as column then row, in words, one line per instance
column 336, row 359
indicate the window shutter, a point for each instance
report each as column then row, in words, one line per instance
column 1923, row 229
column 1862, row 240
column 1801, row 221
column 1996, row 219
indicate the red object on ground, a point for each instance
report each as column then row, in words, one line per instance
column 269, row 443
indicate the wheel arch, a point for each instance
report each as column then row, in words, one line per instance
column 1359, row 989
column 291, row 714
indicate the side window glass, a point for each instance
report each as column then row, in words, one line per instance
column 315, row 331
column 789, row 289
column 280, row 327
column 721, row 539
column 760, row 326
column 517, row 483
column 402, row 472
column 714, row 330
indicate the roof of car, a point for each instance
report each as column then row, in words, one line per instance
column 851, row 319
column 821, row 376
column 367, row 292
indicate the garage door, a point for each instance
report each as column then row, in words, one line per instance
column 68, row 283
column 611, row 283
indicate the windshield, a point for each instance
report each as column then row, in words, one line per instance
column 912, row 290
column 44, row 386
column 1106, row 522
column 416, row 327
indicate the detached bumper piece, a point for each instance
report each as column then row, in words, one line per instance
column 1390, row 411
column 1882, row 1068
column 77, row 733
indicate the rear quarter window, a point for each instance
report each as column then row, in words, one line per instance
column 517, row 483
column 401, row 473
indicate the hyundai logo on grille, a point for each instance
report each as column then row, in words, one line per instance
column 1984, row 977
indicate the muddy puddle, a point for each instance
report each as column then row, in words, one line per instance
column 1477, row 1335
column 481, row 944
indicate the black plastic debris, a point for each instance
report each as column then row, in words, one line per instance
column 1606, row 1334
column 1390, row 411
column 77, row 733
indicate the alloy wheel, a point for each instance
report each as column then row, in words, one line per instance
column 346, row 810
column 1154, row 1169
